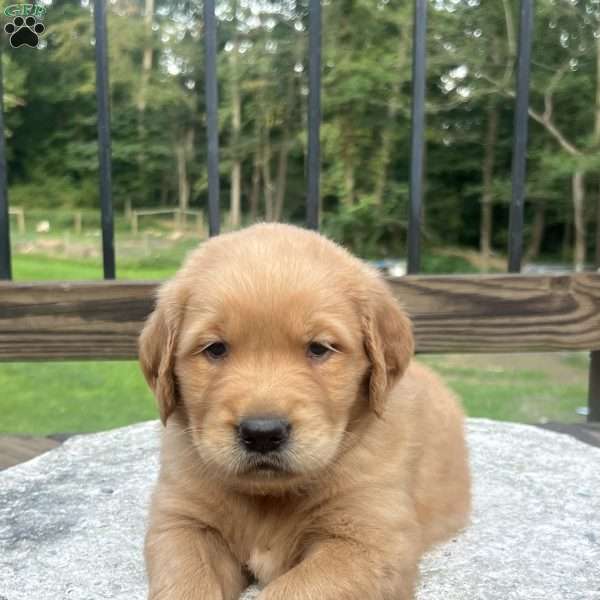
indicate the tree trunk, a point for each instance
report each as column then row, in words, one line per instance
column 146, row 58
column 236, row 124
column 284, row 150
column 255, row 184
column 282, row 173
column 164, row 189
column 143, row 91
column 189, row 156
column 487, row 197
column 183, row 188
column 349, row 182
column 578, row 188
column 537, row 232
column 236, row 190
column 266, row 173
column 183, row 153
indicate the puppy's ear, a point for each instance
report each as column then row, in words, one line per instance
column 157, row 345
column 389, row 343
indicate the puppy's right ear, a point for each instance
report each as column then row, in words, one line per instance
column 156, row 345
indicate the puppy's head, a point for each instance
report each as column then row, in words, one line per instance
column 268, row 345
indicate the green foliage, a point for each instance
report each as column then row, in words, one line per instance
column 372, row 230
column 54, row 192
column 441, row 264
column 157, row 107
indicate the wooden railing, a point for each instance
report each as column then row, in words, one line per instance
column 491, row 313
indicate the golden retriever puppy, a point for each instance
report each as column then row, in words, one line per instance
column 301, row 448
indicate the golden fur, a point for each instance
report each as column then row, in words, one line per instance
column 376, row 469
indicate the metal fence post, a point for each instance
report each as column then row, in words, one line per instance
column 417, row 135
column 519, row 163
column 212, row 125
column 594, row 387
column 314, row 115
column 5, row 260
column 594, row 375
column 104, row 153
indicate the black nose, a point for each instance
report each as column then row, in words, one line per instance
column 264, row 435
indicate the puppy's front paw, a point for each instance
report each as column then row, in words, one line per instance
column 251, row 593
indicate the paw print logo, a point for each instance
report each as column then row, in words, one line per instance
column 24, row 32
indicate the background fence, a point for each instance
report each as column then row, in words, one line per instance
column 458, row 314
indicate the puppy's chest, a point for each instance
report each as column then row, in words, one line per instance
column 268, row 548
column 265, row 564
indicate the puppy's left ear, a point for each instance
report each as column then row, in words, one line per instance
column 389, row 343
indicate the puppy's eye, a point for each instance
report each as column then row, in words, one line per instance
column 216, row 350
column 318, row 351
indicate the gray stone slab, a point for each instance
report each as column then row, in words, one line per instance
column 72, row 520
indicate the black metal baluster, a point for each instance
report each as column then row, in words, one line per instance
column 594, row 387
column 417, row 141
column 104, row 152
column 5, row 261
column 519, row 162
column 314, row 115
column 212, row 117
column 594, row 375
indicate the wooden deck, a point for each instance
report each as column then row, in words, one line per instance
column 584, row 432
column 15, row 449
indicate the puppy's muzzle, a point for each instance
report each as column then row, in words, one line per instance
column 264, row 435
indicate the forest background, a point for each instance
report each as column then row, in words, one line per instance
column 158, row 118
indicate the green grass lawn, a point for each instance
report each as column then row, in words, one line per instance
column 34, row 267
column 44, row 398
column 66, row 397
column 530, row 388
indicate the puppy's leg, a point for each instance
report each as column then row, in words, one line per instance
column 186, row 562
column 347, row 570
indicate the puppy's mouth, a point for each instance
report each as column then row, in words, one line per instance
column 266, row 465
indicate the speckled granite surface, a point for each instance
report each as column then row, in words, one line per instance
column 72, row 520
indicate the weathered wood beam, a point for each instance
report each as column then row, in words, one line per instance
column 492, row 313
